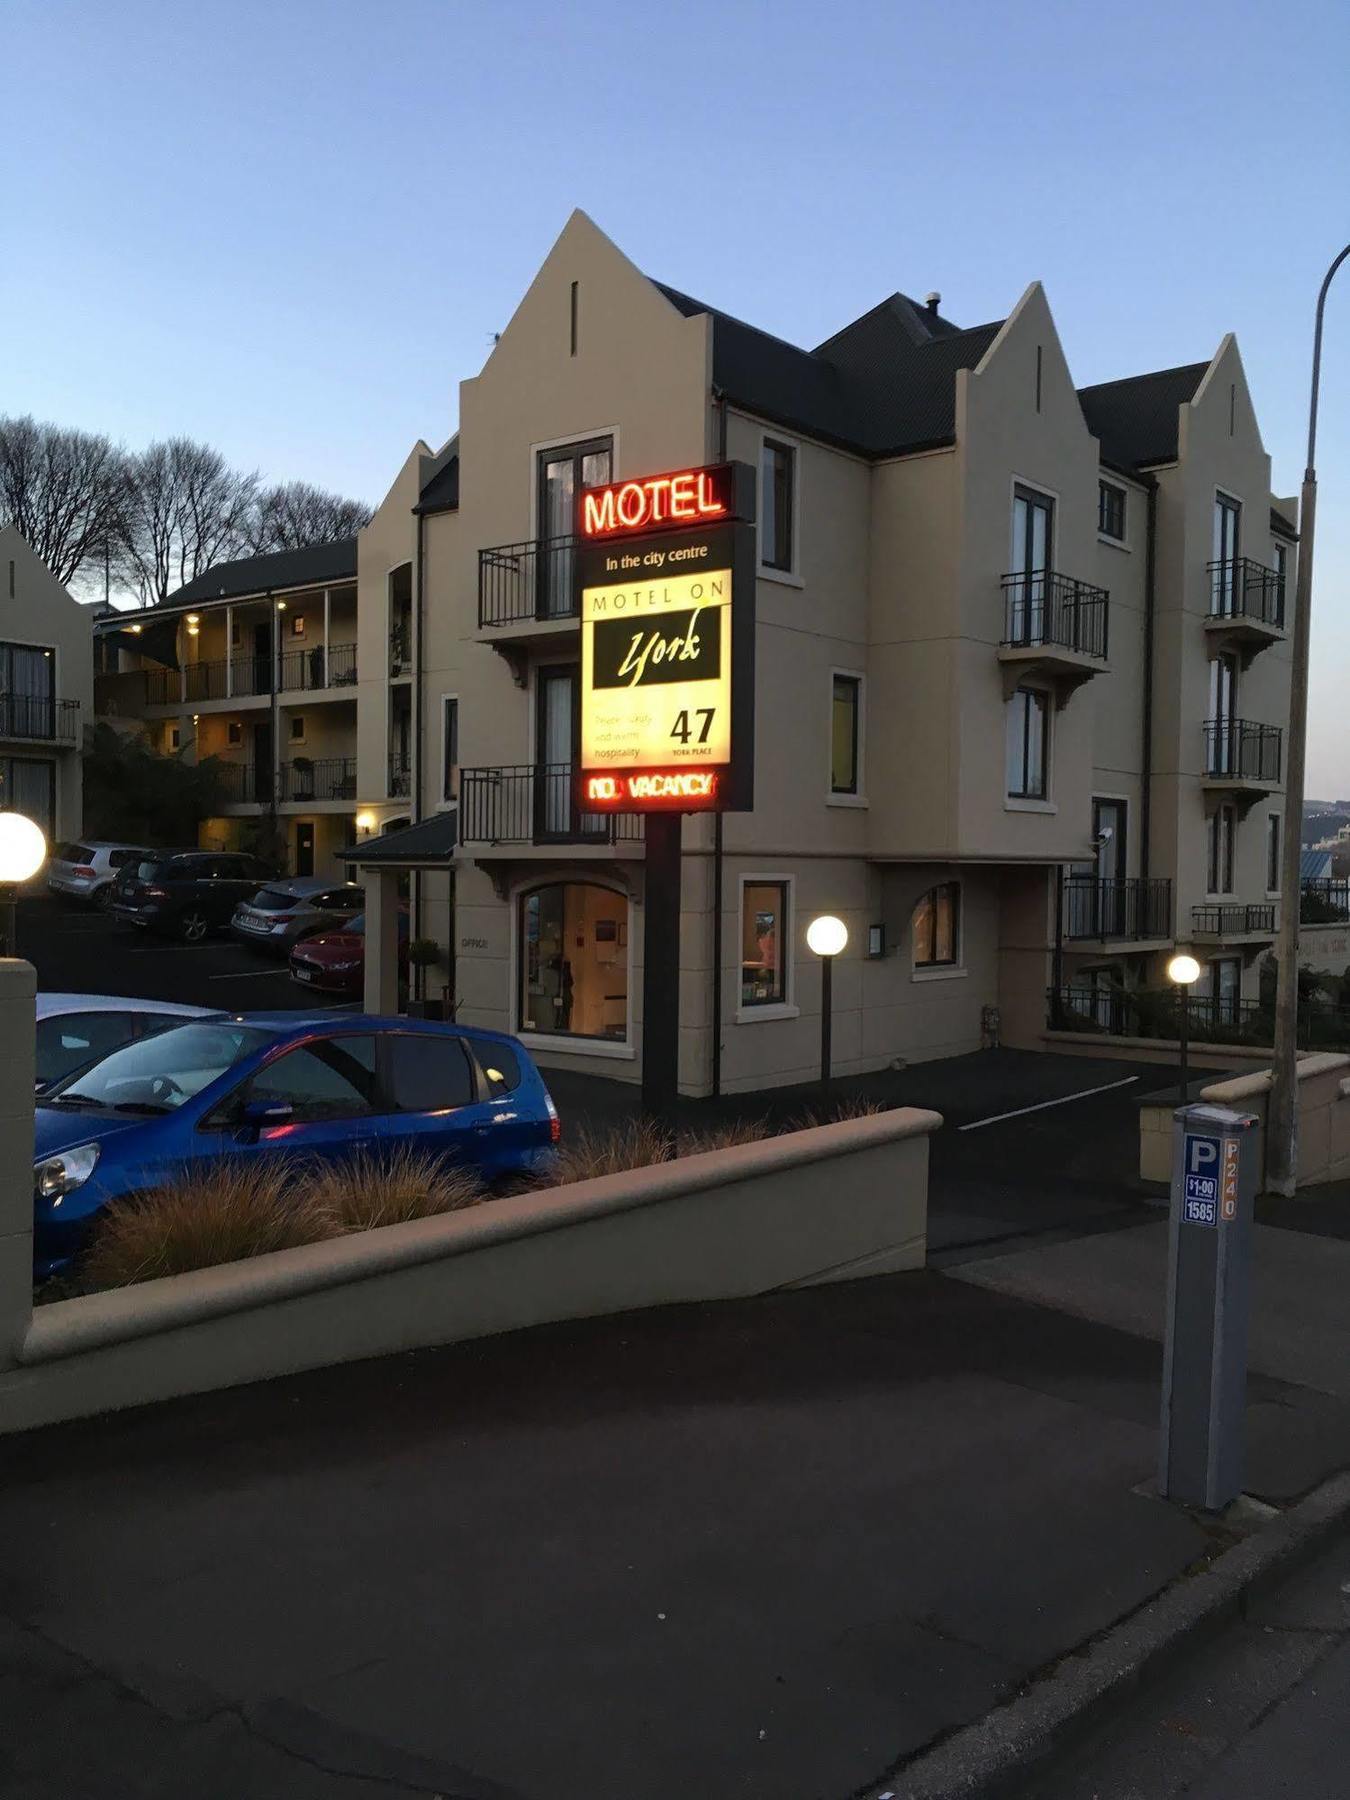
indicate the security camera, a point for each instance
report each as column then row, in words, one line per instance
column 1104, row 836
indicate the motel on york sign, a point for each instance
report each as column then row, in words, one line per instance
column 666, row 600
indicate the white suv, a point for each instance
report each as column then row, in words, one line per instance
column 86, row 871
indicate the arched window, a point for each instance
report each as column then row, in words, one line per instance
column 574, row 961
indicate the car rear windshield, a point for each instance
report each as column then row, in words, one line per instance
column 273, row 900
column 149, row 871
column 74, row 853
column 157, row 1074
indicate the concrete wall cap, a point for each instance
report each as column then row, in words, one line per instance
column 18, row 979
column 68, row 1327
column 1247, row 1087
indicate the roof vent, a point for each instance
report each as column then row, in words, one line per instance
column 933, row 301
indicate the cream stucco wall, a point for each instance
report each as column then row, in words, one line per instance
column 36, row 610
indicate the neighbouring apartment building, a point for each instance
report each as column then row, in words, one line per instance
column 1021, row 667
column 46, row 687
column 260, row 663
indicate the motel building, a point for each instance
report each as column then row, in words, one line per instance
column 1021, row 683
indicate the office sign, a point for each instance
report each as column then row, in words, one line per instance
column 666, row 578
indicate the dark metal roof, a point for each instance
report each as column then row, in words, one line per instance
column 428, row 844
column 1284, row 526
column 316, row 565
column 883, row 385
column 1136, row 419
column 440, row 491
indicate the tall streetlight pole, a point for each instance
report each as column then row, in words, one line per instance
column 1282, row 1116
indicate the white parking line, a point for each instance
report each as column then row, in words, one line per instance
column 1041, row 1105
column 249, row 975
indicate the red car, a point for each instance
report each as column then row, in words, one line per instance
column 335, row 961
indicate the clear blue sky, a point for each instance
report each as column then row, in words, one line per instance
column 291, row 228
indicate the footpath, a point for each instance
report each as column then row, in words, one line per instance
column 776, row 1549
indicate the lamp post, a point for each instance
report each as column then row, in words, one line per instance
column 1282, row 1113
column 826, row 937
column 23, row 850
column 1184, row 971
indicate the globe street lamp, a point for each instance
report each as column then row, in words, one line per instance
column 1184, row 971
column 826, row 937
column 23, row 850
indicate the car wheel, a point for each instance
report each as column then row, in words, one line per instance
column 193, row 926
column 103, row 898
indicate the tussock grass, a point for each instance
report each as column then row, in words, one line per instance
column 638, row 1144
column 222, row 1214
column 367, row 1192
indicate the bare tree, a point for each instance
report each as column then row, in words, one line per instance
column 185, row 511
column 64, row 490
column 294, row 514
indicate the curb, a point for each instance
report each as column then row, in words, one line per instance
column 998, row 1753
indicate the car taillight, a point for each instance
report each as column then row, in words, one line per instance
column 554, row 1122
column 153, row 893
column 83, row 869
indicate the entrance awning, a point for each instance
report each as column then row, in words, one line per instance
column 430, row 844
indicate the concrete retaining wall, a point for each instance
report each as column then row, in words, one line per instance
column 826, row 1204
column 1323, row 1119
column 1156, row 1050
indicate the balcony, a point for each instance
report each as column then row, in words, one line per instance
column 315, row 669
column 1111, row 1011
column 39, row 719
column 535, row 803
column 1129, row 910
column 222, row 678
column 400, row 776
column 1242, row 758
column 241, row 785
column 1324, row 902
column 528, row 591
column 1233, row 922
column 1055, row 626
column 1246, row 605
column 326, row 778
column 400, row 651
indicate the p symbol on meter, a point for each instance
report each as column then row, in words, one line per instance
column 1200, row 1196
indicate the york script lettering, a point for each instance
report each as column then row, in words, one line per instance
column 655, row 647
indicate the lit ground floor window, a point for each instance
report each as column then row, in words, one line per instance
column 574, row 961
column 28, row 785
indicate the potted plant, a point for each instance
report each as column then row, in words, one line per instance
column 423, row 953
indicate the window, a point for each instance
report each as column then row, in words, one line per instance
column 175, row 738
column 1219, row 992
column 1272, row 853
column 449, row 747
column 500, row 1066
column 27, row 691
column 234, row 732
column 28, row 785
column 764, row 942
column 574, row 961
column 935, row 926
column 845, row 715
column 1111, row 510
column 776, row 501
column 297, row 728
column 1224, row 601
column 333, row 1079
column 236, row 634
column 297, row 624
column 65, row 1044
column 1027, row 734
column 164, row 1071
column 1222, row 836
column 1281, row 567
column 428, row 1074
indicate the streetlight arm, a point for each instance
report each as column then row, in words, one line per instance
column 1317, row 362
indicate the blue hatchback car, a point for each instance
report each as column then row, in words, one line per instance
column 261, row 1085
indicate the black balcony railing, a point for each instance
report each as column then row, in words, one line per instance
column 1239, row 750
column 218, row 679
column 400, row 776
column 1325, row 902
column 400, row 650
column 325, row 778
column 1043, row 609
column 1242, row 589
column 1232, row 919
column 518, row 583
column 1219, row 1019
column 314, row 668
column 39, row 718
column 534, row 803
column 1125, row 908
column 242, row 786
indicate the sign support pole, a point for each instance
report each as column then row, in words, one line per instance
column 661, row 969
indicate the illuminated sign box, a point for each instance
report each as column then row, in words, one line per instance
column 667, row 643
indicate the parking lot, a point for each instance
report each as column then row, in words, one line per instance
column 78, row 950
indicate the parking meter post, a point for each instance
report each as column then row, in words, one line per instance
column 1216, row 1161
